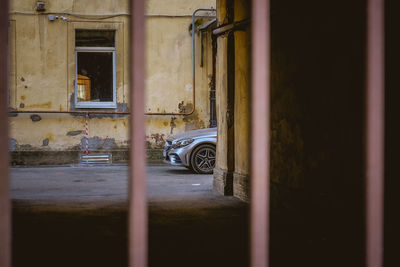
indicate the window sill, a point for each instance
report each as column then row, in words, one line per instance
column 96, row 105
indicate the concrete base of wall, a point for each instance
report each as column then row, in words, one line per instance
column 32, row 157
column 44, row 157
column 241, row 186
column 154, row 155
column 223, row 182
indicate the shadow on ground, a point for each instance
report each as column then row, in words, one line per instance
column 179, row 235
column 58, row 222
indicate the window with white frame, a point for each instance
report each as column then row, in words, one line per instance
column 95, row 74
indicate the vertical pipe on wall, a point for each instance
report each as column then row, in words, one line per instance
column 194, row 54
column 5, row 215
column 137, row 183
column 375, row 133
column 260, row 119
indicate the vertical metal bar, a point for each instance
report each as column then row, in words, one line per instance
column 5, row 215
column 260, row 146
column 375, row 133
column 137, row 185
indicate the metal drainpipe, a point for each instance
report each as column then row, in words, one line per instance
column 194, row 53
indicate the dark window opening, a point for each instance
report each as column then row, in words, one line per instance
column 95, row 76
column 95, row 68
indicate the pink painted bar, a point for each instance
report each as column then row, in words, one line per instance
column 260, row 147
column 137, row 183
column 375, row 133
column 5, row 212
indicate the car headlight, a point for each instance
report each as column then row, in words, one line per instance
column 182, row 143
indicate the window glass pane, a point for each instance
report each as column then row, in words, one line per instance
column 95, row 38
column 95, row 76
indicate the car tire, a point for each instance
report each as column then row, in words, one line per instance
column 202, row 159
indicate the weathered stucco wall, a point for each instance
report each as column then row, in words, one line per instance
column 231, row 175
column 225, row 64
column 242, row 103
column 176, row 7
column 42, row 63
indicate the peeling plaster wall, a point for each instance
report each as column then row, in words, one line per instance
column 42, row 74
column 224, row 165
column 65, row 132
column 241, row 178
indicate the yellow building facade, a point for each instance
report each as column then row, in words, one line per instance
column 70, row 56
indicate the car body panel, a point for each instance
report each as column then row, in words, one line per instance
column 181, row 156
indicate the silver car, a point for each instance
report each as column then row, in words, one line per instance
column 193, row 149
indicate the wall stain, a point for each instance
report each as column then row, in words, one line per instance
column 50, row 136
column 45, row 142
column 74, row 133
column 41, row 105
column 182, row 107
column 159, row 139
column 192, row 121
column 35, row 118
column 172, row 124
column 97, row 143
column 158, row 123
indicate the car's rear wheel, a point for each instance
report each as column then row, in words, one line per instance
column 203, row 159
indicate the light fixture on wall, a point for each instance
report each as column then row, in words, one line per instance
column 53, row 18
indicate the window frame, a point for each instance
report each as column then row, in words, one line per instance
column 103, row 104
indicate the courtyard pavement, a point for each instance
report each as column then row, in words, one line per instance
column 77, row 216
column 96, row 185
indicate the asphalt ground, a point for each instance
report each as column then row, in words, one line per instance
column 77, row 216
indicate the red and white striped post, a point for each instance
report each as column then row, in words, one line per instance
column 87, row 134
